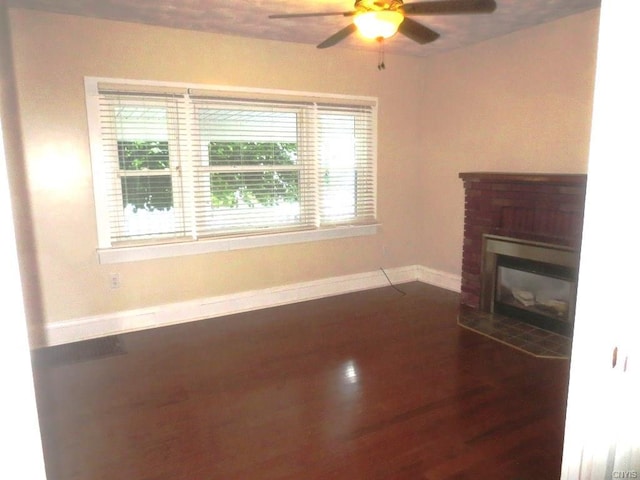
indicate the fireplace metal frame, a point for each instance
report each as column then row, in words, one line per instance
column 495, row 245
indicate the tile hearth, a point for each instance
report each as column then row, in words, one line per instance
column 514, row 333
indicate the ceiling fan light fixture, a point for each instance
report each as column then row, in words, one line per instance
column 378, row 24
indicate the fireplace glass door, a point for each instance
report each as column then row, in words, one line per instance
column 540, row 293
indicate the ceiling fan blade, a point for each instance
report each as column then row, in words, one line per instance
column 417, row 32
column 449, row 7
column 316, row 14
column 338, row 36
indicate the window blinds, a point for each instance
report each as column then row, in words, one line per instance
column 178, row 165
column 142, row 145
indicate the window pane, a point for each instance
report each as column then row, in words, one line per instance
column 242, row 200
column 247, row 125
column 267, row 189
column 338, row 167
column 252, row 153
column 242, row 185
column 148, row 206
column 147, row 201
column 143, row 155
column 144, row 169
column 150, row 193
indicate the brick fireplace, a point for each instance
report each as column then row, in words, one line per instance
column 540, row 210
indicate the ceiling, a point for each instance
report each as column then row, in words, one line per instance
column 249, row 18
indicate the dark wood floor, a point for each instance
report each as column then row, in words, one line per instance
column 371, row 385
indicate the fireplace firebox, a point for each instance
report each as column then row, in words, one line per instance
column 533, row 281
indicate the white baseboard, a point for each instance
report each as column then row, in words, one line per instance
column 170, row 314
column 438, row 278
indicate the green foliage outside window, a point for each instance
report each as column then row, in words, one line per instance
column 153, row 192
column 228, row 189
column 143, row 155
column 267, row 188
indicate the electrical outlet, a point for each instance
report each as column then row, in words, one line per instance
column 114, row 280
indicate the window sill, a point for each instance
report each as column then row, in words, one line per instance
column 150, row 252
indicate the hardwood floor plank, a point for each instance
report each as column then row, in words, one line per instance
column 369, row 385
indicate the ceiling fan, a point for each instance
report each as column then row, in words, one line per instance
column 380, row 19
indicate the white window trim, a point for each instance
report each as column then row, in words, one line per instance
column 108, row 253
column 149, row 252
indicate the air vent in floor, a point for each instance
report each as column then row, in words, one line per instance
column 83, row 351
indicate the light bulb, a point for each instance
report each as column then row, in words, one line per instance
column 378, row 24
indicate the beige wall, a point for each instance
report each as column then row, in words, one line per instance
column 520, row 102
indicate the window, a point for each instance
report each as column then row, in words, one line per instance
column 176, row 163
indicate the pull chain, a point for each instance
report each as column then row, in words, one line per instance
column 381, row 65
